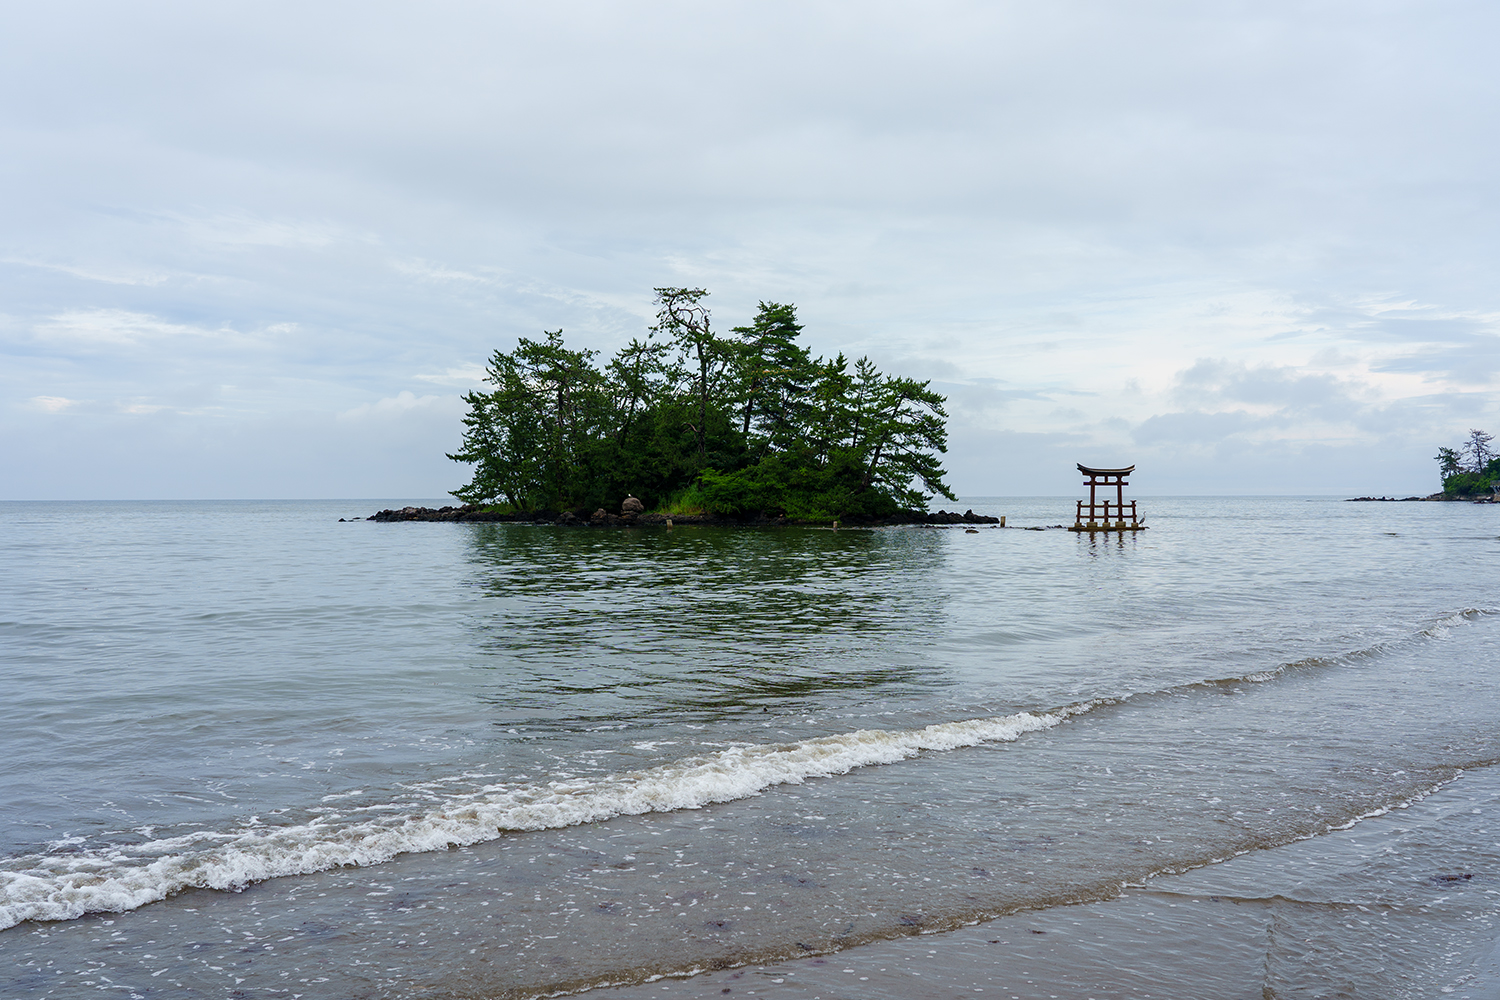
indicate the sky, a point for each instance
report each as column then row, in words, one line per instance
column 260, row 250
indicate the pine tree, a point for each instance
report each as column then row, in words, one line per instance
column 774, row 375
column 1478, row 450
column 683, row 318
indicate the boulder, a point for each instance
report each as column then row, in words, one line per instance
column 631, row 506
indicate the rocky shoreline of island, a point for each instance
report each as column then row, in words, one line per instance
column 1439, row 497
column 600, row 518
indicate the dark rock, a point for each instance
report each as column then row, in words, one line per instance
column 940, row 517
column 632, row 506
column 568, row 517
column 469, row 512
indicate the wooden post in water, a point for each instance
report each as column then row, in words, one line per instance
column 1107, row 516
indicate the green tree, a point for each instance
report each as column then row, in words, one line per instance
column 1449, row 463
column 829, row 416
column 870, row 441
column 503, row 440
column 526, row 437
column 902, row 437
column 640, row 379
column 1477, row 448
column 682, row 316
column 773, row 375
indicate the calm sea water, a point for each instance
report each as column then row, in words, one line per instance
column 250, row 748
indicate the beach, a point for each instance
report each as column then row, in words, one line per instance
column 1353, row 913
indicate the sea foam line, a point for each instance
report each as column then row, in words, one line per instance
column 64, row 888
column 1437, row 629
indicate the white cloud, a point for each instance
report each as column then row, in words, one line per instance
column 467, row 376
column 1216, row 384
column 52, row 404
column 244, row 230
column 439, row 272
column 395, row 407
column 116, row 326
column 1220, row 401
column 111, row 275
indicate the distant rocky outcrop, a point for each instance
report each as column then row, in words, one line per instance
column 468, row 512
column 942, row 517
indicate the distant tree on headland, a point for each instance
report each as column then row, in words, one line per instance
column 1472, row 469
column 688, row 420
column 1477, row 449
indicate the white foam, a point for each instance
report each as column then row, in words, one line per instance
column 1447, row 624
column 64, row 888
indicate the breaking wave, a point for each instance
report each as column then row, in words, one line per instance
column 66, row 887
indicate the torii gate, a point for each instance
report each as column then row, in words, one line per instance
column 1109, row 515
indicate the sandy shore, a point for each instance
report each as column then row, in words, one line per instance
column 1404, row 904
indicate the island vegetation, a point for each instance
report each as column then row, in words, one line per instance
column 1470, row 470
column 694, row 422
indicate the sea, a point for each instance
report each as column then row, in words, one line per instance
column 272, row 749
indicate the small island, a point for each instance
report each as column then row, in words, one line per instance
column 688, row 426
column 1471, row 471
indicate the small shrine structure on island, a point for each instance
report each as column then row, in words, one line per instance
column 1110, row 514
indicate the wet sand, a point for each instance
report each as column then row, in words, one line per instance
column 1405, row 904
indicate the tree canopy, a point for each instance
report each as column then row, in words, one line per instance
column 740, row 424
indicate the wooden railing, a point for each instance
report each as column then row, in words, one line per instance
column 1106, row 512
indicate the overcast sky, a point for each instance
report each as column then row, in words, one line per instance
column 260, row 249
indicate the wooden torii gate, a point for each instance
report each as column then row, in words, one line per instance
column 1116, row 515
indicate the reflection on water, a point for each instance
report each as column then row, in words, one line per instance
column 1105, row 542
column 583, row 626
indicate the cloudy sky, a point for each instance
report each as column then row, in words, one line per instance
column 260, row 249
